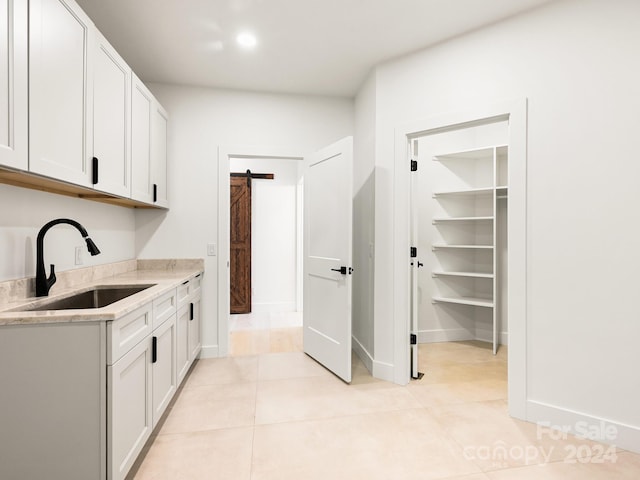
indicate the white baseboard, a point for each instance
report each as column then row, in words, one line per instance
column 209, row 351
column 273, row 307
column 362, row 353
column 441, row 335
column 484, row 335
column 381, row 370
column 457, row 335
column 624, row 436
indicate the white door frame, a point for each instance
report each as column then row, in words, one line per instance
column 516, row 113
column 225, row 153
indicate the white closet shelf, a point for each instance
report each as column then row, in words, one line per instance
column 438, row 273
column 447, row 245
column 467, row 192
column 473, row 301
column 484, row 153
column 502, row 192
column 462, row 219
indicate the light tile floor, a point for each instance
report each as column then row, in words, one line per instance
column 257, row 333
column 267, row 415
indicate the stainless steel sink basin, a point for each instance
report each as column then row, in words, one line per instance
column 98, row 297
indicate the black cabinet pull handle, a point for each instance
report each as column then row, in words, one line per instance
column 191, row 311
column 154, row 349
column 94, row 178
column 155, row 192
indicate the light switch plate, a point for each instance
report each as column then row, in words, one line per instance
column 211, row 249
column 78, row 256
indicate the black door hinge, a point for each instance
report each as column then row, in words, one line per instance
column 414, row 252
column 413, row 339
column 414, row 165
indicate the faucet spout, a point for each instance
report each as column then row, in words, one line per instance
column 44, row 284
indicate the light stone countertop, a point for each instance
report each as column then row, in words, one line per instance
column 162, row 279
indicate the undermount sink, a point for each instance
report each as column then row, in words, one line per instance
column 97, row 297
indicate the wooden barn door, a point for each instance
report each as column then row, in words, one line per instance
column 240, row 245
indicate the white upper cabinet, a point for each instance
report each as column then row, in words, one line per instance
column 13, row 84
column 141, row 114
column 60, row 91
column 159, row 155
column 111, row 120
column 148, row 147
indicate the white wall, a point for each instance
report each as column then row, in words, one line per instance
column 364, row 155
column 25, row 211
column 274, row 233
column 577, row 63
column 201, row 120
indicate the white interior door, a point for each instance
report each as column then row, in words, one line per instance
column 327, row 256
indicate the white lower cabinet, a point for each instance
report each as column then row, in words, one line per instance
column 129, row 411
column 141, row 382
column 195, row 328
column 52, row 401
column 84, row 398
column 183, row 360
column 189, row 325
column 163, row 367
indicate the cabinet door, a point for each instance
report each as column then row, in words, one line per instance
column 141, row 112
column 183, row 362
column 53, row 415
column 60, row 91
column 163, row 367
column 111, row 117
column 129, row 408
column 159, row 155
column 13, row 84
column 195, row 327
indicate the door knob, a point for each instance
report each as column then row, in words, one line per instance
column 343, row 270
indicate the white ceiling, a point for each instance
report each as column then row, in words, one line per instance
column 323, row 47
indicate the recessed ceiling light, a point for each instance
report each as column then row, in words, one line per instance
column 246, row 40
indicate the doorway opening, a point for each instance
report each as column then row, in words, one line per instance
column 265, row 258
column 514, row 112
column 225, row 156
column 325, row 270
column 459, row 296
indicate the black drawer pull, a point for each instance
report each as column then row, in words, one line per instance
column 154, row 349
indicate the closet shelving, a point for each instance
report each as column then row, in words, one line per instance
column 473, row 182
